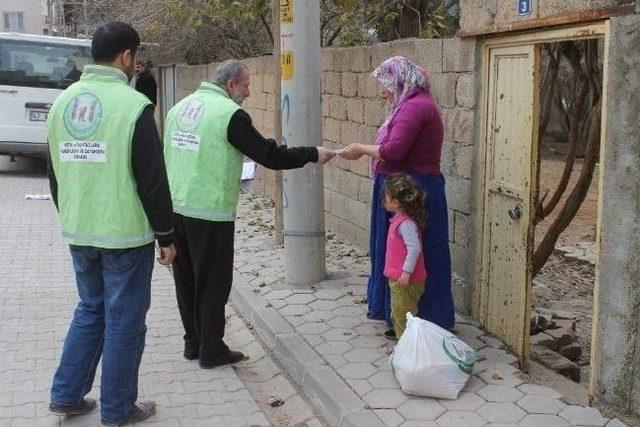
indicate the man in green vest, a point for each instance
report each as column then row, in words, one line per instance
column 109, row 184
column 206, row 136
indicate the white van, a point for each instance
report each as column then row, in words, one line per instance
column 34, row 70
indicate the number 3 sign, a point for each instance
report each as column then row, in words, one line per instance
column 524, row 7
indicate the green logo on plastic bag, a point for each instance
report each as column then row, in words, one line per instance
column 461, row 354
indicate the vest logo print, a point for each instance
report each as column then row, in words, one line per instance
column 83, row 115
column 185, row 141
column 190, row 115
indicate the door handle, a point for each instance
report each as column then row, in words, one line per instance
column 516, row 212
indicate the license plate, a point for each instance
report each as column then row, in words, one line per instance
column 38, row 116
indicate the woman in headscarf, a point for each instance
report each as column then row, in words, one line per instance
column 409, row 141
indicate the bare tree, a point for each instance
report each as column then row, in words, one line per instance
column 577, row 95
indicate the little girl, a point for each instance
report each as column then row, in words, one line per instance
column 404, row 261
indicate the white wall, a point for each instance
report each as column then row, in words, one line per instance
column 33, row 14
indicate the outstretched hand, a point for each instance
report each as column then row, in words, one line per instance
column 324, row 155
column 352, row 152
column 167, row 254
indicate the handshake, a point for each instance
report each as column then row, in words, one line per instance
column 351, row 152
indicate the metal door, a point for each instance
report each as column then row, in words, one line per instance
column 511, row 156
column 168, row 90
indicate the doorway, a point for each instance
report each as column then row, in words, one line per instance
column 516, row 174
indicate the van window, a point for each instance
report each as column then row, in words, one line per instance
column 37, row 64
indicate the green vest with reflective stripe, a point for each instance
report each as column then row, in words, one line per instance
column 90, row 130
column 204, row 169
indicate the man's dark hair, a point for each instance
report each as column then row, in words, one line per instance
column 111, row 39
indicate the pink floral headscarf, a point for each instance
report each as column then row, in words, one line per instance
column 403, row 78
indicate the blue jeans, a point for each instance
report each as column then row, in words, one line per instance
column 114, row 286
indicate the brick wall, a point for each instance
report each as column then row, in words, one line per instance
column 352, row 110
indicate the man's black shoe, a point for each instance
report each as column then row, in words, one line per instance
column 190, row 355
column 390, row 334
column 84, row 407
column 227, row 358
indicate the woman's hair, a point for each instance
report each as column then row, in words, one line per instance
column 409, row 196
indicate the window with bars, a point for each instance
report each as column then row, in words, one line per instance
column 13, row 20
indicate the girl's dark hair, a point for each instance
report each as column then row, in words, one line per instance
column 410, row 197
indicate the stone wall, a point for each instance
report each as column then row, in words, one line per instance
column 616, row 348
column 353, row 109
column 489, row 16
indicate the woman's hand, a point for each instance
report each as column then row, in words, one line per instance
column 324, row 155
column 352, row 152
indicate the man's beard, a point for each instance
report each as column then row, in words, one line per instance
column 237, row 97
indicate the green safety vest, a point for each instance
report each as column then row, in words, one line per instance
column 204, row 169
column 90, row 129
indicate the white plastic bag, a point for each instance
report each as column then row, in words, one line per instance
column 431, row 361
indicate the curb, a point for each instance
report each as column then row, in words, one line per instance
column 328, row 391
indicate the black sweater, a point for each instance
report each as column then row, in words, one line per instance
column 147, row 162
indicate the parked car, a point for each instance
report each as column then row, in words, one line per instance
column 34, row 70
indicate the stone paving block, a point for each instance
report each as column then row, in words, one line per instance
column 474, row 384
column 461, row 419
column 333, row 347
column 319, row 316
column 541, row 404
column 344, row 322
column 583, row 415
column 329, row 294
column 421, row 409
column 502, row 375
column 313, row 340
column 539, row 420
column 362, row 418
column 313, row 328
column 385, row 399
column 338, row 335
column 370, row 329
column 390, row 417
column 335, row 360
column 360, row 355
column 357, row 371
column 384, row 380
column 348, row 311
column 361, row 387
column 294, row 310
column 615, row 423
column 419, row 423
column 324, row 305
column 464, row 330
column 501, row 412
column 372, row 342
column 465, row 402
column 500, row 393
column 300, row 299
column 535, row 389
column 279, row 294
column 491, row 341
column 338, row 398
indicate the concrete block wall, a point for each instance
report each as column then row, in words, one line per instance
column 489, row 16
column 352, row 110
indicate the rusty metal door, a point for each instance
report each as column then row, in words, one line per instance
column 511, row 156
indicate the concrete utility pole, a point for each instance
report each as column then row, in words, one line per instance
column 275, row 30
column 301, row 102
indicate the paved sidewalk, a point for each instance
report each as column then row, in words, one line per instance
column 37, row 297
column 340, row 358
